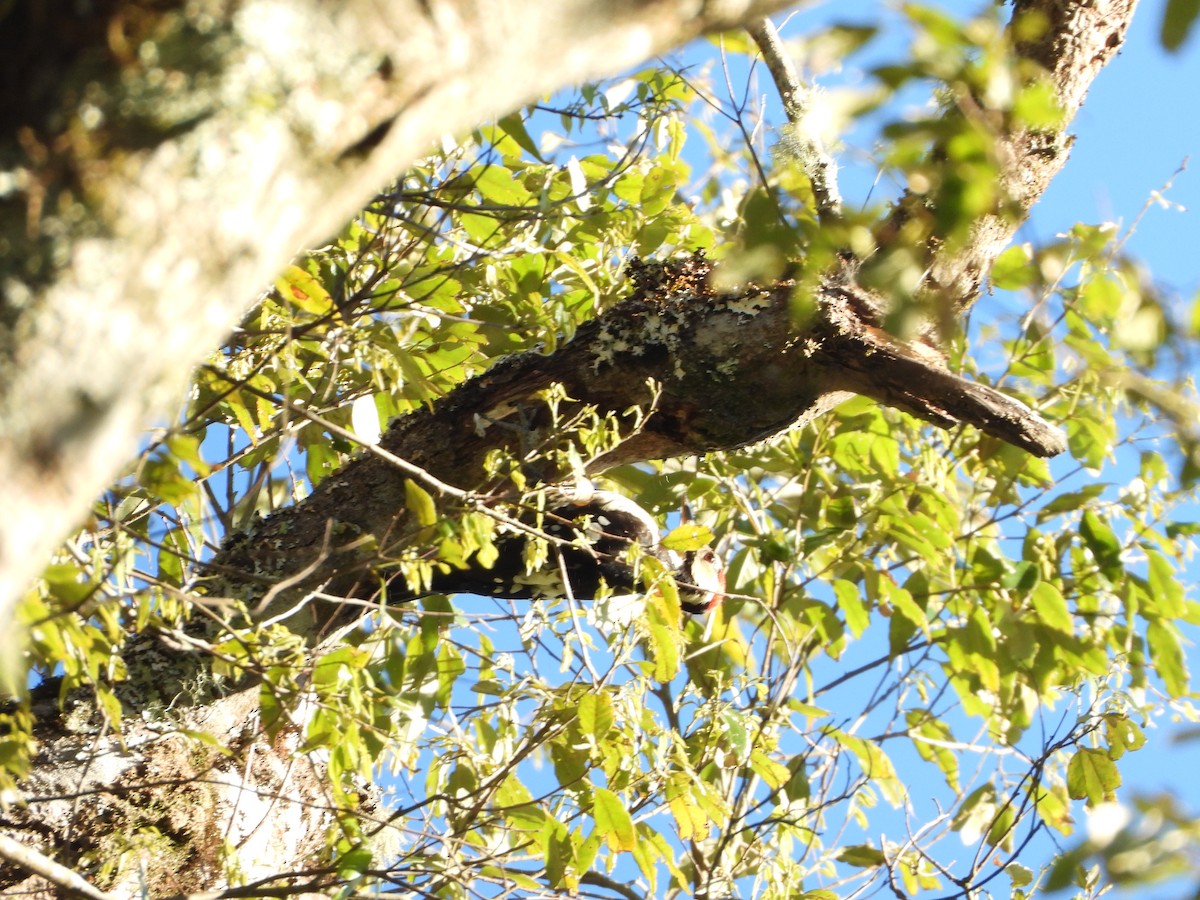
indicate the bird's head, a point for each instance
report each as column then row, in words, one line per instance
column 701, row 580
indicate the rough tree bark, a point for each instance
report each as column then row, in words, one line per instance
column 165, row 160
column 731, row 369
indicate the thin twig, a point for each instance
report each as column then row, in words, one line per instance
column 295, row 579
column 819, row 165
column 572, row 606
column 600, row 880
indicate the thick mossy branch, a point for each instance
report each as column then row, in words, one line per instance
column 709, row 371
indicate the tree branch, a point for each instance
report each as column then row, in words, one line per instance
column 727, row 369
column 730, row 370
column 69, row 882
column 819, row 165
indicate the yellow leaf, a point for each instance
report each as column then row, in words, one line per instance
column 419, row 503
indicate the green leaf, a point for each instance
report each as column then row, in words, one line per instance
column 450, row 667
column 337, row 667
column 806, row 709
column 773, row 773
column 186, row 447
column 1053, row 806
column 875, row 764
column 1000, row 834
column 1090, row 440
column 498, row 186
column 514, row 126
column 613, row 822
column 305, row 290
column 1037, row 106
column 652, row 847
column 419, row 503
column 850, row 602
column 596, row 714
column 1167, row 656
column 1092, row 776
column 1019, row 875
column 1178, row 19
column 161, row 476
column 658, row 187
column 1051, row 607
column 797, row 786
column 690, row 820
column 904, row 604
column 1103, row 543
column 735, row 733
column 1122, row 734
column 861, row 856
column 110, row 705
column 67, row 583
column 512, row 792
column 560, row 856
column 353, row 863
column 931, row 738
column 976, row 814
column 1071, row 501
column 687, row 537
column 1165, row 589
column 664, row 650
column 480, row 228
column 1014, row 268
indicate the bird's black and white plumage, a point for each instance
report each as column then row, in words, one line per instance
column 595, row 532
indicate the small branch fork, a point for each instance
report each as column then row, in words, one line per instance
column 819, row 165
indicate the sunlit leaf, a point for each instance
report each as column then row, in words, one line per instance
column 1092, row 776
column 1103, row 543
column 420, row 503
column 1051, row 607
column 861, row 856
column 1167, row 656
column 1178, row 19
column 613, row 821
column 852, row 607
column 683, row 538
column 595, row 714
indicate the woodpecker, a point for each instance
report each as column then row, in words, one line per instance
column 599, row 527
